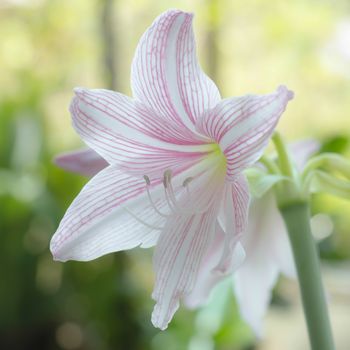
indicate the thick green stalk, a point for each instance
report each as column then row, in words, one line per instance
column 297, row 219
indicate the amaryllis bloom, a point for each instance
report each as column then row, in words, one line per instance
column 176, row 153
column 268, row 254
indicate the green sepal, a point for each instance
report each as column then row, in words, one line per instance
column 324, row 182
column 261, row 182
column 331, row 162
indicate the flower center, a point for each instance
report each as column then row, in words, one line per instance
column 173, row 205
column 220, row 158
column 179, row 200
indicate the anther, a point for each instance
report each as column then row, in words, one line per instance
column 148, row 181
column 153, row 204
column 165, row 184
column 170, row 197
column 187, row 181
column 166, row 178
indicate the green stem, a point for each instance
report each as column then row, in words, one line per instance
column 297, row 219
column 270, row 165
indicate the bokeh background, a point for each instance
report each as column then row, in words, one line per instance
column 47, row 47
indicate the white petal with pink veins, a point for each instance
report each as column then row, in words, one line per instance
column 183, row 243
column 114, row 212
column 166, row 73
column 121, row 134
column 243, row 125
column 96, row 223
column 178, row 255
column 208, row 275
column 233, row 217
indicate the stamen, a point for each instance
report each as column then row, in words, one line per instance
column 148, row 181
column 169, row 201
column 185, row 185
column 167, row 178
column 153, row 204
column 170, row 198
column 187, row 181
column 167, row 191
column 170, row 193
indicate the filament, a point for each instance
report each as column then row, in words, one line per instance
column 170, row 198
column 153, row 227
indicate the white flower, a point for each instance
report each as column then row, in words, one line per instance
column 176, row 153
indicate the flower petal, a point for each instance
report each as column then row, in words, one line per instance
column 233, row 218
column 226, row 252
column 118, row 129
column 183, row 243
column 268, row 253
column 242, row 126
column 96, row 223
column 85, row 162
column 178, row 256
column 253, row 284
column 166, row 74
column 114, row 211
column 208, row 276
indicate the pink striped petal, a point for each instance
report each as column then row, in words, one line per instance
column 114, row 211
column 96, row 223
column 184, row 242
column 127, row 114
column 85, row 162
column 233, row 217
column 178, row 255
column 166, row 74
column 208, row 275
column 118, row 129
column 242, row 126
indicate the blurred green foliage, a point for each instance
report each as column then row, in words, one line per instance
column 49, row 47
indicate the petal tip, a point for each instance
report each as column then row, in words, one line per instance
column 283, row 90
column 158, row 324
column 178, row 12
column 55, row 255
column 64, row 161
column 59, row 160
column 79, row 91
column 189, row 14
column 57, row 258
column 162, row 314
column 55, row 249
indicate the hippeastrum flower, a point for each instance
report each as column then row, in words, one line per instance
column 267, row 247
column 176, row 153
